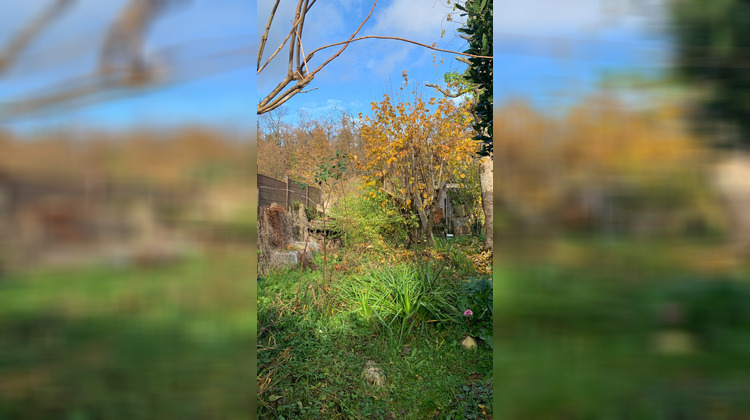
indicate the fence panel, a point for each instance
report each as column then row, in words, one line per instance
column 285, row 192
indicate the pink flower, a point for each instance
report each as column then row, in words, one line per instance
column 468, row 312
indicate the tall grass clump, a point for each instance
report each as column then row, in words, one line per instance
column 401, row 296
column 370, row 218
column 456, row 253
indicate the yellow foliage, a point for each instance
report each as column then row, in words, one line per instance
column 415, row 150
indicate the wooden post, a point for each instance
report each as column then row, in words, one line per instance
column 307, row 196
column 286, row 201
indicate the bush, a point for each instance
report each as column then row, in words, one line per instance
column 367, row 220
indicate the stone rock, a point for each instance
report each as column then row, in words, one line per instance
column 311, row 246
column 373, row 374
column 469, row 343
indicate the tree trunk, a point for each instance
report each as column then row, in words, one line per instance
column 485, row 181
column 423, row 218
column 426, row 227
column 732, row 182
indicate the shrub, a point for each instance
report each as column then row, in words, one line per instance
column 367, row 220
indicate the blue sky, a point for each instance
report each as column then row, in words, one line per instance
column 554, row 55
column 547, row 51
column 219, row 97
column 368, row 68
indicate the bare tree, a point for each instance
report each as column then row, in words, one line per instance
column 299, row 73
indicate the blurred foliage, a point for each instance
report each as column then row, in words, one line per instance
column 129, row 342
column 167, row 158
column 711, row 46
column 599, row 155
column 710, row 307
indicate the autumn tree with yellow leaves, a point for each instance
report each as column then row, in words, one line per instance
column 412, row 150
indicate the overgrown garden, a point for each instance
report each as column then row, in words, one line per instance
column 392, row 318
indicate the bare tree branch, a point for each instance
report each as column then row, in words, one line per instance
column 399, row 39
column 265, row 33
column 299, row 35
column 298, row 17
column 448, row 93
column 268, row 103
column 300, row 73
column 346, row 43
column 299, row 48
column 123, row 46
column 289, row 35
column 26, row 35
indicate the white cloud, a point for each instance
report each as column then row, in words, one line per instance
column 573, row 16
column 414, row 19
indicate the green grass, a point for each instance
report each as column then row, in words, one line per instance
column 168, row 342
column 330, row 344
column 402, row 296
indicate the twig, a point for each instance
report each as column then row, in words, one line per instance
column 395, row 38
column 261, row 348
column 267, row 104
column 315, row 300
column 299, row 48
column 267, row 327
column 346, row 43
column 265, row 33
column 448, row 93
column 294, row 25
column 302, row 266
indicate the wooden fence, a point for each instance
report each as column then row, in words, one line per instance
column 285, row 192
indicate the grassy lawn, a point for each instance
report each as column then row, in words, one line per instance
column 575, row 327
column 311, row 356
column 152, row 343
